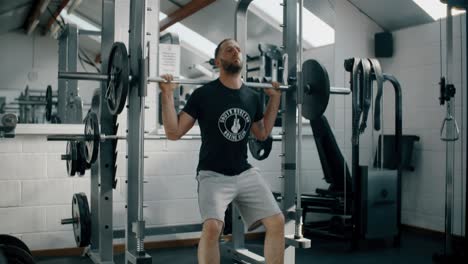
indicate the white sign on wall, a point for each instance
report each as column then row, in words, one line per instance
column 169, row 59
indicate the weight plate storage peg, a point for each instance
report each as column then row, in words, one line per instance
column 118, row 78
column 316, row 89
column 81, row 219
column 91, row 144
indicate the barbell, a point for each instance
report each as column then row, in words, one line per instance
column 91, row 140
column 85, row 147
column 118, row 78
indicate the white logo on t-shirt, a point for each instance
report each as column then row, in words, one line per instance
column 234, row 124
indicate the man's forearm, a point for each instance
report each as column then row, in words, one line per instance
column 169, row 115
column 270, row 114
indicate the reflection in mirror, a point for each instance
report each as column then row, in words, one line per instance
column 31, row 61
column 30, row 88
column 31, row 54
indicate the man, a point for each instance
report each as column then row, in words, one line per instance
column 227, row 111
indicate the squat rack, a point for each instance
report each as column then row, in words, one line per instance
column 102, row 172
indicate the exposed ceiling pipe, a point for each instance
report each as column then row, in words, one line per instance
column 55, row 15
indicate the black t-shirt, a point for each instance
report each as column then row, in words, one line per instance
column 225, row 116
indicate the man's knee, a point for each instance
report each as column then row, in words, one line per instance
column 274, row 223
column 212, row 229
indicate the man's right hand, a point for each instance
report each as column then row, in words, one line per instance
column 167, row 87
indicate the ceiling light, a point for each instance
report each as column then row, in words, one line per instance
column 435, row 8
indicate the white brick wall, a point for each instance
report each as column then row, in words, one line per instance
column 11, row 191
column 36, row 193
column 416, row 64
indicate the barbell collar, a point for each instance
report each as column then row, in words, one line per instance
column 82, row 76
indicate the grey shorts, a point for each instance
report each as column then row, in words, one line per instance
column 248, row 191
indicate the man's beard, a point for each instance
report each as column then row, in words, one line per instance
column 231, row 67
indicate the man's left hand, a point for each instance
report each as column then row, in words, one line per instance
column 275, row 92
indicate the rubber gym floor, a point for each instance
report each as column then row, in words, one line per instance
column 416, row 247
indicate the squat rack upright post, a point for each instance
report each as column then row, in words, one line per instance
column 135, row 224
column 102, row 171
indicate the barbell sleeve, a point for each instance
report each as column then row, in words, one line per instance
column 67, row 137
column 265, row 86
column 68, row 221
column 340, row 90
column 82, row 76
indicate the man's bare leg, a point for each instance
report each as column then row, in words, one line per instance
column 274, row 239
column 208, row 247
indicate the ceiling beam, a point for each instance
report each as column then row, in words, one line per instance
column 32, row 20
column 57, row 12
column 178, row 15
column 187, row 10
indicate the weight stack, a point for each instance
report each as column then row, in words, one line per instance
column 379, row 203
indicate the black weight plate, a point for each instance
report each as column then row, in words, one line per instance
column 15, row 255
column 81, row 151
column 14, row 241
column 260, row 150
column 9, row 120
column 91, row 132
column 48, row 107
column 82, row 165
column 118, row 78
column 55, row 120
column 82, row 215
column 316, row 89
column 96, row 101
column 72, row 160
